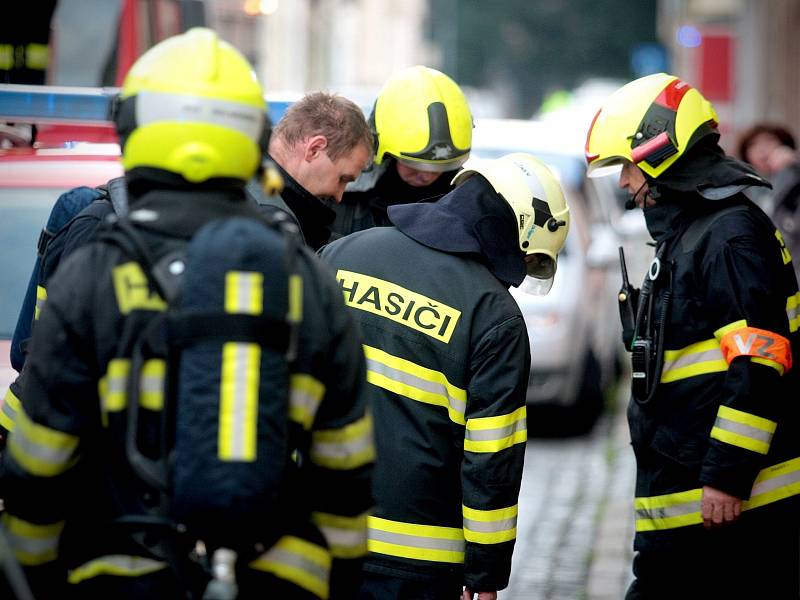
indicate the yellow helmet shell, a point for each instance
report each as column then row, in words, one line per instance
column 651, row 121
column 195, row 108
column 421, row 117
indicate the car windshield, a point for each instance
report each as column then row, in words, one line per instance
column 23, row 214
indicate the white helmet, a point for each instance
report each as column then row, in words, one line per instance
column 540, row 210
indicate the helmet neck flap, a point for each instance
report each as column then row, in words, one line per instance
column 472, row 220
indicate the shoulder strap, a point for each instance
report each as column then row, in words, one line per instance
column 161, row 273
column 695, row 232
column 118, row 195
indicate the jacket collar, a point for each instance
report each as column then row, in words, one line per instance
column 311, row 213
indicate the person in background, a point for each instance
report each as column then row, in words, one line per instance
column 422, row 126
column 772, row 150
column 24, row 56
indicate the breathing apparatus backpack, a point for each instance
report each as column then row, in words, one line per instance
column 216, row 363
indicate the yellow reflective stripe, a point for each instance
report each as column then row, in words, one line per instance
column 699, row 358
column 720, row 333
column 346, row 536
column 669, row 510
column 490, row 526
column 295, row 298
column 41, row 298
column 305, row 394
column 119, row 565
column 113, row 388
column 37, row 56
column 132, row 290
column 151, row 384
column 244, row 292
column 775, row 483
column 792, row 313
column 40, row 450
column 6, row 57
column 32, row 544
column 298, row 561
column 416, row 382
column 743, row 429
column 785, row 254
column 238, row 407
column 493, row 434
column 348, row 447
column 421, row 542
column 768, row 363
column 9, row 410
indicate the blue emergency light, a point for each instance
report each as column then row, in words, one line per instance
column 51, row 104
column 76, row 105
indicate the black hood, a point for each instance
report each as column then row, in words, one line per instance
column 706, row 170
column 471, row 220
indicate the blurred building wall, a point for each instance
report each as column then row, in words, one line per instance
column 764, row 56
column 347, row 46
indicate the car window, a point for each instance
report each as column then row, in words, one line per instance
column 23, row 214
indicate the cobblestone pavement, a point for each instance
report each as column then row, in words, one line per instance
column 575, row 529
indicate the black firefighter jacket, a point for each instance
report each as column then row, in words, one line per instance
column 447, row 365
column 366, row 200
column 67, row 478
column 725, row 412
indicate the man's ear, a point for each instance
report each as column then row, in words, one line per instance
column 314, row 146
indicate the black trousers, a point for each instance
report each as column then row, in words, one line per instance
column 377, row 586
column 757, row 557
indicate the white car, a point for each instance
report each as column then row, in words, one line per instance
column 575, row 335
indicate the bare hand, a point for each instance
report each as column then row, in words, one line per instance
column 468, row 594
column 719, row 508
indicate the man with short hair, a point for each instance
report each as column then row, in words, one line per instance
column 321, row 144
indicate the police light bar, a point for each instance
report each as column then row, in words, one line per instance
column 52, row 104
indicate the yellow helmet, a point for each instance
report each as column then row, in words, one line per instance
column 192, row 105
column 537, row 200
column 651, row 121
column 422, row 118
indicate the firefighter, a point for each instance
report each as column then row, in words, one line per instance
column 191, row 120
column 321, row 144
column 25, row 42
column 447, row 365
column 24, row 57
column 423, row 132
column 713, row 415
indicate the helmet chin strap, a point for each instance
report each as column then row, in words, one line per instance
column 630, row 203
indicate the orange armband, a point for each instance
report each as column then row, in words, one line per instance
column 764, row 346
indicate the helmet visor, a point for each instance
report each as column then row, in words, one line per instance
column 541, row 269
column 604, row 168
